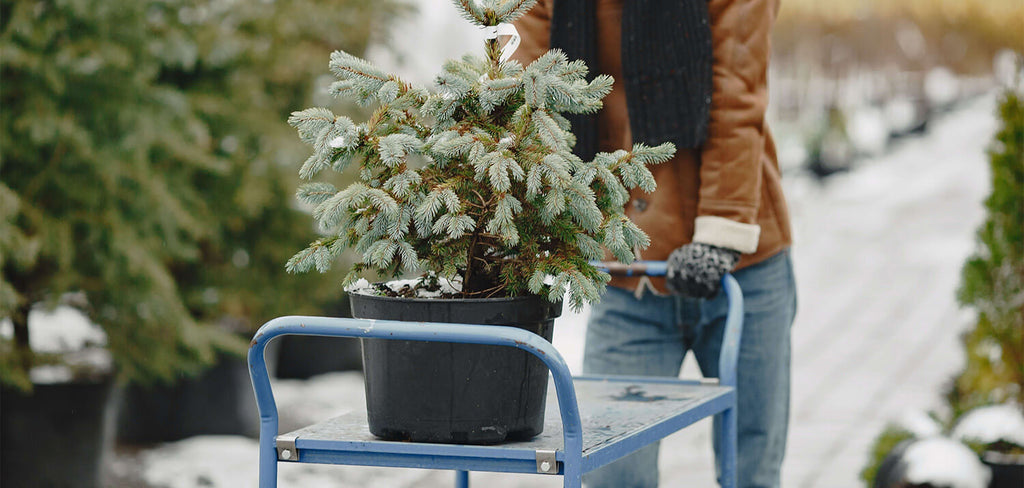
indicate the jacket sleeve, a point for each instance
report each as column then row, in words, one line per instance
column 535, row 33
column 731, row 158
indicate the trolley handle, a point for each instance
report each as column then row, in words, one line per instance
column 727, row 360
column 572, row 433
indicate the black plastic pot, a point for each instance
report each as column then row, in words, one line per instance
column 1007, row 469
column 217, row 402
column 55, row 436
column 461, row 393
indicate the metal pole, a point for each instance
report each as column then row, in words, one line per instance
column 730, row 352
column 268, row 414
column 727, row 454
column 462, row 479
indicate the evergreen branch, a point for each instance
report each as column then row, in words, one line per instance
column 634, row 236
column 557, row 170
column 535, row 88
column 615, row 239
column 554, row 204
column 599, row 87
column 590, row 248
column 401, row 183
column 536, row 283
column 649, row 156
column 311, row 120
column 510, row 10
column 315, row 193
column 345, row 65
column 548, row 62
column 583, row 208
column 410, row 261
column 574, row 70
column 316, row 255
column 471, row 11
column 496, row 92
column 394, row 148
column 547, row 129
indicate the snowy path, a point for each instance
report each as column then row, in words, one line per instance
column 878, row 256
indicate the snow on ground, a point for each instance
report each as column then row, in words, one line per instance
column 878, row 255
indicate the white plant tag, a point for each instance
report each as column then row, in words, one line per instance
column 494, row 31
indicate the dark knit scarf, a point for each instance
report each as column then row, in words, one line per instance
column 666, row 66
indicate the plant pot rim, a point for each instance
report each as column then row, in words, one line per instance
column 523, row 298
column 996, row 457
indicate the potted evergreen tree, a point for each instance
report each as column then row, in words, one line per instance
column 993, row 284
column 474, row 188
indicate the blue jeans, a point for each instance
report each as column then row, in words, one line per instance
column 650, row 337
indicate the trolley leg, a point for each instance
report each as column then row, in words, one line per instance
column 727, row 453
column 462, row 479
column 268, row 454
column 571, row 475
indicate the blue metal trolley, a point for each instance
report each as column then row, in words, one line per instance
column 599, row 419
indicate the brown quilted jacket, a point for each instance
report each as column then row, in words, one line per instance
column 728, row 191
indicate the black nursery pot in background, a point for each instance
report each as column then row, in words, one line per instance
column 1007, row 469
column 219, row 401
column 56, row 436
column 302, row 357
column 446, row 392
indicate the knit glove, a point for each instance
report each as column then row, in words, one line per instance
column 696, row 269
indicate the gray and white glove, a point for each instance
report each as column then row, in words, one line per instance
column 696, row 269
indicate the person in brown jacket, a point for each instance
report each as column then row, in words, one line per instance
column 691, row 72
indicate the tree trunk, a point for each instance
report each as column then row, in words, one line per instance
column 21, row 343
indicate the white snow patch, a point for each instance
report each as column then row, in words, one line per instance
column 87, row 362
column 919, row 424
column 304, row 402
column 231, row 462
column 203, row 461
column 944, row 462
column 59, row 330
column 991, row 424
column 868, row 131
column 941, row 86
column 360, row 287
column 1008, row 69
column 363, row 287
column 900, row 114
column 50, row 374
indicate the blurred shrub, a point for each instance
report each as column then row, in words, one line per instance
column 993, row 279
column 147, row 163
column 883, row 445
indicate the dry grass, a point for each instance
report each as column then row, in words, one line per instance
column 963, row 34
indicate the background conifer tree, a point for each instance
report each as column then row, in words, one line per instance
column 142, row 163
